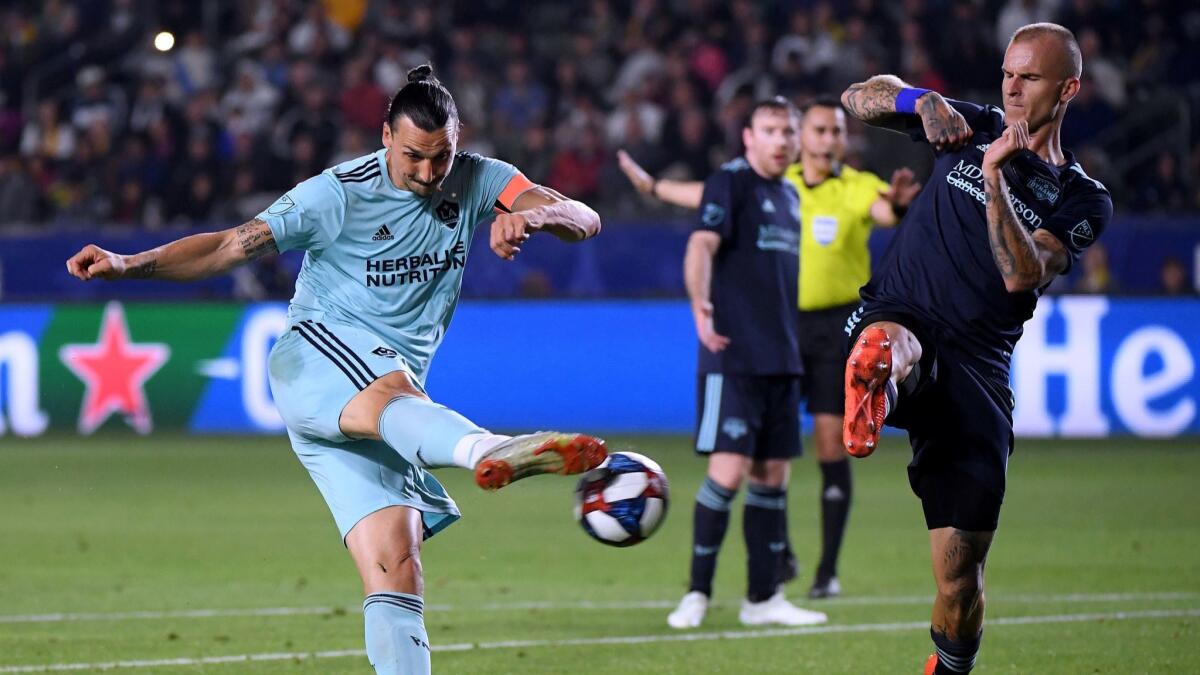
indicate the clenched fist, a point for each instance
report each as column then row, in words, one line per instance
column 93, row 262
column 509, row 232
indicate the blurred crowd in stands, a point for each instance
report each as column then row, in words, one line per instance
column 97, row 124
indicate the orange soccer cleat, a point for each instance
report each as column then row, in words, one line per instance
column 867, row 373
column 543, row 452
column 931, row 664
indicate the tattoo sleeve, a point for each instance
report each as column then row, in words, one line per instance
column 874, row 101
column 1013, row 248
column 256, row 239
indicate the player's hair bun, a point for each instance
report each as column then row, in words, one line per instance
column 421, row 73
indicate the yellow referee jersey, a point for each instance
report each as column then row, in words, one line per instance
column 835, row 222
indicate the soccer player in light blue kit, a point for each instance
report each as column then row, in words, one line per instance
column 386, row 237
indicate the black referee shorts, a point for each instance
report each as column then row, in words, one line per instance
column 959, row 423
column 823, row 354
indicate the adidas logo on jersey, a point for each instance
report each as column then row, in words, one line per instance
column 768, row 206
column 383, row 234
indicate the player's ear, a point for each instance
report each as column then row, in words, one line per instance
column 1069, row 90
column 387, row 135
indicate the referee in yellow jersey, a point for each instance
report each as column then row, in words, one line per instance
column 838, row 207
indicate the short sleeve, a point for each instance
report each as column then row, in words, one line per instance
column 309, row 216
column 1079, row 222
column 499, row 184
column 983, row 119
column 716, row 205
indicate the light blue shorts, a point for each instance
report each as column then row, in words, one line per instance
column 315, row 369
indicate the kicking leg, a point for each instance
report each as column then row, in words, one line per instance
column 386, row 547
column 957, row 624
column 430, row 435
column 883, row 355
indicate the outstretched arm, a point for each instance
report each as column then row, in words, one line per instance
column 1026, row 261
column 874, row 102
column 196, row 257
column 684, row 193
column 540, row 209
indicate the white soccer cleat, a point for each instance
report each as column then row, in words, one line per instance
column 777, row 610
column 690, row 612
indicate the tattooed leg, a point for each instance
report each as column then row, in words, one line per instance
column 958, row 562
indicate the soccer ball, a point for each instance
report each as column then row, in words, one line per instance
column 622, row 501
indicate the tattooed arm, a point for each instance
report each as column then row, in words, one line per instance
column 1026, row 261
column 874, row 102
column 196, row 257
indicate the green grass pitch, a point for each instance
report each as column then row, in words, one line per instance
column 112, row 549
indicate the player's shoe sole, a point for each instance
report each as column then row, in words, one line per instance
column 867, row 371
column 533, row 454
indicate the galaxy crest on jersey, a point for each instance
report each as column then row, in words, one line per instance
column 939, row 264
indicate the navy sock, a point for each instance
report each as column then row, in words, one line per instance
column 709, row 523
column 836, row 489
column 954, row 656
column 762, row 524
column 397, row 643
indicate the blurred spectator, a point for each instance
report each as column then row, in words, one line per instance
column 1017, row 13
column 1096, row 276
column 251, row 99
column 1090, row 115
column 1163, row 188
column 18, row 194
column 286, row 87
column 575, row 170
column 1174, row 278
column 98, row 102
column 47, row 135
column 196, row 65
column 1108, row 78
column 362, row 103
column 522, row 102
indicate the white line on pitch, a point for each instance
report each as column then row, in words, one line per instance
column 613, row 640
column 1072, row 598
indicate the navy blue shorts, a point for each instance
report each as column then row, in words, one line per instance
column 753, row 415
column 959, row 422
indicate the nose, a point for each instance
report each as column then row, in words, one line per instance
column 425, row 172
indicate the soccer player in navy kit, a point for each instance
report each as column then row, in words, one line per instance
column 1005, row 211
column 740, row 270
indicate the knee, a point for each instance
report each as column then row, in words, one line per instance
column 392, row 568
column 961, row 588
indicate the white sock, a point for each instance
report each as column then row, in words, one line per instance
column 471, row 447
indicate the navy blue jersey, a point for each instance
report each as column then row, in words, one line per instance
column 755, row 271
column 939, row 264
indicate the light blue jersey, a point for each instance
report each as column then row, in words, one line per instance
column 382, row 258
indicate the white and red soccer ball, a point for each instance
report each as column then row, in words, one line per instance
column 622, row 501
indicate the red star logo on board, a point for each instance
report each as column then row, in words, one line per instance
column 114, row 370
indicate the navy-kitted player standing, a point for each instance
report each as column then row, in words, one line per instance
column 1005, row 211
column 740, row 269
